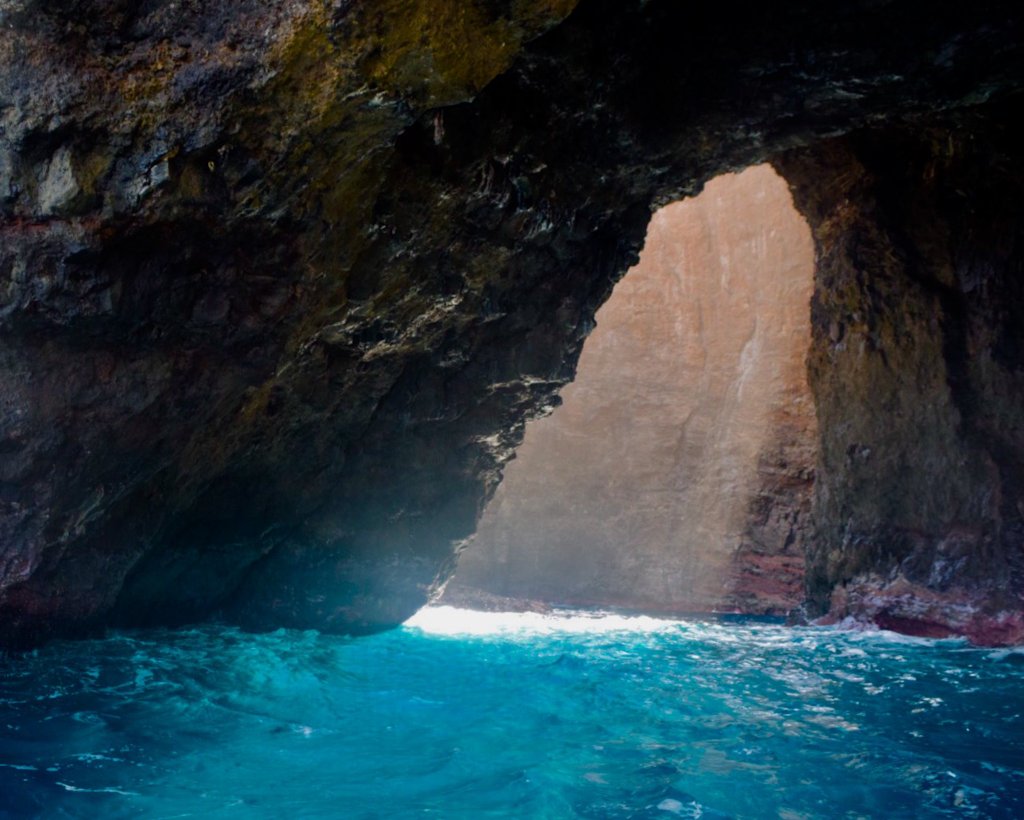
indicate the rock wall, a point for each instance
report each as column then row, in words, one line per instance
column 280, row 282
column 676, row 474
column 207, row 301
column 917, row 374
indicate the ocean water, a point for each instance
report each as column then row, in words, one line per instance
column 462, row 715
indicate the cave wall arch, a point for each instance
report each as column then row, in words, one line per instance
column 282, row 282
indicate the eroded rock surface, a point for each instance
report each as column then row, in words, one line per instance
column 676, row 475
column 918, row 375
column 213, row 317
column 281, row 281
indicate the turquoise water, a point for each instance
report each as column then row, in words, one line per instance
column 467, row 716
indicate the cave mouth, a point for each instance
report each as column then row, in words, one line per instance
column 676, row 476
column 277, row 303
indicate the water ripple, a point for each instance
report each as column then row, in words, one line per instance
column 458, row 715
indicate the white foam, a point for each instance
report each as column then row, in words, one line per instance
column 870, row 633
column 109, row 790
column 1003, row 654
column 448, row 620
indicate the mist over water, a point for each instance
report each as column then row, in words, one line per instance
column 463, row 714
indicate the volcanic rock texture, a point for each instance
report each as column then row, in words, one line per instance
column 918, row 373
column 281, row 281
column 677, row 473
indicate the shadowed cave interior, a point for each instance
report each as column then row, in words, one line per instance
column 283, row 282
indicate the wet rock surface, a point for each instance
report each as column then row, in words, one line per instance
column 676, row 475
column 280, row 282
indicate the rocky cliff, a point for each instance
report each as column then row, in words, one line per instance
column 676, row 474
column 281, row 281
column 917, row 373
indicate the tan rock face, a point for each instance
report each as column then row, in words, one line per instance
column 676, row 475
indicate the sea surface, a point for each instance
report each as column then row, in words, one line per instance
column 466, row 715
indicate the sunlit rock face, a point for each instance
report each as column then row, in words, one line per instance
column 676, row 474
column 281, row 282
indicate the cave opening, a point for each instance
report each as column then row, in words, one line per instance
column 281, row 284
column 676, row 475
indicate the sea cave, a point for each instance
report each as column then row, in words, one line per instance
column 528, row 408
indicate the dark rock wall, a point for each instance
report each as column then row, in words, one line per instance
column 917, row 372
column 206, row 302
column 280, row 282
column 676, row 475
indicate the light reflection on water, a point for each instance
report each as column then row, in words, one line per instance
column 497, row 715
